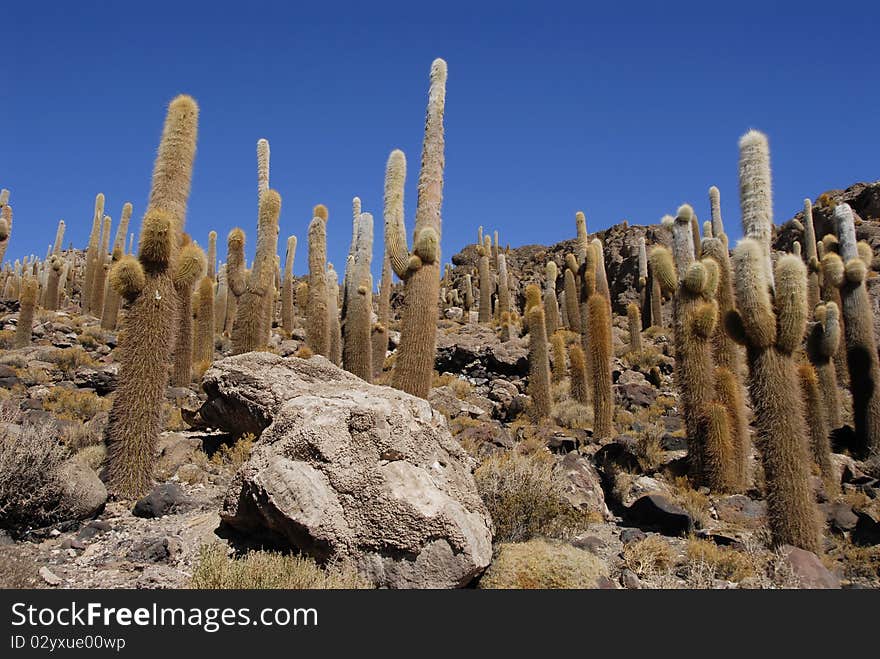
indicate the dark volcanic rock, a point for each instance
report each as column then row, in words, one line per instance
column 654, row 511
column 161, row 500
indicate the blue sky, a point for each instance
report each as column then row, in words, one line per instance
column 623, row 112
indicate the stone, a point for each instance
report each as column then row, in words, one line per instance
column 808, row 568
column 50, row 577
column 161, row 500
column 867, row 528
column 154, row 550
column 346, row 470
column 629, row 579
column 656, row 512
column 103, row 380
column 630, row 535
column 589, row 542
column 176, row 449
column 740, row 510
column 583, row 485
column 83, row 494
column 840, row 516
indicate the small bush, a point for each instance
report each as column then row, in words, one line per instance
column 543, row 564
column 649, row 451
column 269, row 570
column 725, row 563
column 6, row 337
column 235, row 455
column 74, row 404
column 70, row 359
column 526, row 497
column 93, row 456
column 648, row 557
column 693, row 501
column 30, row 490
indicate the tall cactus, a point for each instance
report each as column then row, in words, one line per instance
column 572, row 312
column 189, row 269
column 503, row 285
column 812, row 257
column 287, row 317
column 203, row 348
column 212, row 255
column 221, row 300
column 715, row 204
column 51, row 299
column 335, row 354
column 485, row 274
column 29, row 290
column 5, row 227
column 420, row 269
column 861, row 346
column 551, row 305
column 110, row 313
column 599, row 322
column 380, row 331
column 236, row 275
column 756, row 193
column 102, row 266
column 251, row 328
column 149, row 327
column 262, row 168
column 817, row 425
column 92, row 254
column 580, row 391
column 634, row 322
column 823, row 341
column 771, row 326
column 539, row 364
column 357, row 354
column 317, row 315
column 59, row 238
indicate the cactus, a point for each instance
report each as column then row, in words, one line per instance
column 251, row 328
column 634, row 320
column 582, row 241
column 102, row 267
column 756, row 193
column 236, row 275
column 771, row 326
column 349, row 261
column 557, row 344
column 5, row 228
column 503, row 285
column 56, row 264
column 578, row 369
column 28, row 299
column 572, row 312
column 817, row 425
column 551, row 306
column 812, row 257
column 599, row 323
column 495, row 251
column 539, row 364
column 601, row 277
column 149, row 328
column 420, row 269
column 92, row 254
column 287, row 286
column 189, row 269
column 302, row 296
column 823, row 342
column 861, row 347
column 262, row 168
column 715, row 204
column 707, row 231
column 59, row 238
column 335, row 353
column 380, row 330
column 357, row 354
column 468, row 297
column 221, row 299
column 110, row 312
column 695, row 232
column 485, row 274
column 317, row 315
column 212, row 255
column 643, row 284
column 203, row 349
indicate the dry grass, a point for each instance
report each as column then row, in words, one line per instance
column 693, row 501
column 568, row 413
column 858, row 562
column 723, row 562
column 526, row 497
column 542, row 564
column 269, row 570
column 75, row 404
column 93, row 455
column 6, row 337
column 235, row 455
column 643, row 359
column 70, row 359
column 17, row 571
column 459, row 386
column 649, row 451
column 649, row 557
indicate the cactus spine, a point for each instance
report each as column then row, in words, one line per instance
column 251, row 328
column 861, row 347
column 357, row 355
column 539, row 364
column 771, row 327
column 148, row 331
column 29, row 290
column 287, row 286
column 421, row 273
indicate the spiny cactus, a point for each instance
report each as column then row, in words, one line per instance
column 59, row 238
column 634, row 321
column 102, row 266
column 251, row 328
column 771, row 326
column 262, row 168
column 578, row 370
column 380, row 330
column 287, row 317
column 317, row 315
column 212, row 255
column 357, row 354
column 572, row 312
column 599, row 319
column 602, row 286
column 695, row 232
column 92, row 254
column 203, row 348
column 110, row 313
column 817, row 425
column 486, row 286
column 29, row 290
column 831, row 277
column 811, row 256
column 349, row 261
column 335, row 354
column 823, row 342
column 495, row 251
column 51, row 299
column 539, row 364
column 236, row 275
column 861, row 346
column 551, row 306
column 149, row 327
column 707, row 231
column 557, row 344
column 503, row 285
column 189, row 269
column 468, row 297
column 221, row 300
column 756, row 193
column 420, row 269
column 582, row 241
column 5, row 228
column 715, row 205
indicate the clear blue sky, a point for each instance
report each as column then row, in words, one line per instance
column 623, row 112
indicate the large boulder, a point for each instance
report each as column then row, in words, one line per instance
column 346, row 470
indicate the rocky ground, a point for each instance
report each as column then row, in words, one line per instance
column 259, row 426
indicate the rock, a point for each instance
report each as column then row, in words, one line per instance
column 9, row 382
column 630, row 535
column 50, row 577
column 175, row 449
column 867, row 528
column 444, row 400
column 808, row 568
column 589, row 542
column 740, row 510
column 352, row 471
column 488, row 437
column 620, row 453
column 103, row 381
column 154, row 550
column 840, row 516
column 583, row 486
column 162, row 500
column 672, row 443
column 83, row 494
column 475, row 349
column 655, row 511
column 630, row 580
column 7, row 371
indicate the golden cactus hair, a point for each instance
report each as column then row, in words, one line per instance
column 262, row 167
column 486, row 284
column 59, row 238
column 251, row 328
column 599, row 323
column 583, row 241
column 92, row 254
column 715, row 206
column 817, row 425
column 557, row 344
column 317, row 314
column 221, row 300
column 551, row 305
column 539, row 365
column 634, row 322
column 102, row 267
column 774, row 387
column 149, row 327
column 203, row 349
column 212, row 255
column 52, row 299
column 756, row 193
column 421, row 274
column 580, row 391
column 335, row 354
column 572, row 311
column 503, row 285
column 30, row 288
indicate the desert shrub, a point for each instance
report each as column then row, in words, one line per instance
column 693, row 501
column 526, row 497
column 236, row 454
column 93, row 456
column 70, row 359
column 6, row 337
column 30, row 490
column 649, row 450
column 643, row 359
column 571, row 414
column 268, row 570
column 648, row 557
column 543, row 564
column 723, row 562
column 74, row 404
